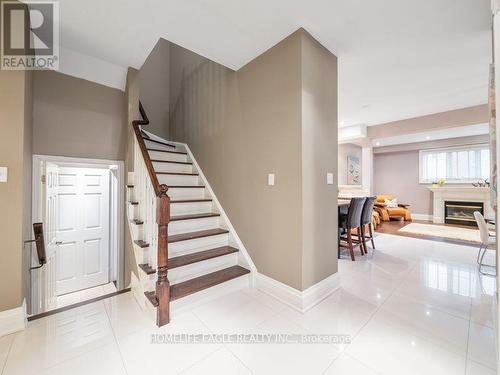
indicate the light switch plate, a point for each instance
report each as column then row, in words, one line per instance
column 329, row 178
column 270, row 179
column 3, row 174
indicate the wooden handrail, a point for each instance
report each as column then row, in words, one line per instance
column 144, row 150
column 162, row 220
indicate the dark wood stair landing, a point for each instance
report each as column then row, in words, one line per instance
column 198, row 284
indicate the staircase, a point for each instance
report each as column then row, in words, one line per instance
column 183, row 242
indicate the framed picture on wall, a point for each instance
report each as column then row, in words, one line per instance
column 353, row 170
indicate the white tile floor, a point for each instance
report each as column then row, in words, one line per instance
column 412, row 307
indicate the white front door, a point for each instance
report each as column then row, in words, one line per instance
column 82, row 228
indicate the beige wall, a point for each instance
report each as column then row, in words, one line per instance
column 154, row 89
column 277, row 114
column 241, row 126
column 15, row 194
column 396, row 171
column 344, row 150
column 397, row 174
column 319, row 156
column 77, row 118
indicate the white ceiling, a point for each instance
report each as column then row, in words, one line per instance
column 397, row 58
column 435, row 135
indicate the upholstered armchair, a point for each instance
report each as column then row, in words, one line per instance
column 387, row 213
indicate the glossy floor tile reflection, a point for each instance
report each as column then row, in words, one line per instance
column 410, row 307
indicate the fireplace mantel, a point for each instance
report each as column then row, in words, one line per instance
column 458, row 193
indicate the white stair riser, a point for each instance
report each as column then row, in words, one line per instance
column 190, row 208
column 185, row 226
column 137, row 231
column 130, row 194
column 172, row 167
column 186, row 193
column 183, row 180
column 132, row 211
column 190, row 271
column 158, row 146
column 200, row 244
column 156, row 155
column 141, row 254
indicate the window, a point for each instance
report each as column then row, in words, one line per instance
column 455, row 165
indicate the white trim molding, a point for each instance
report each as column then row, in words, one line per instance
column 424, row 217
column 299, row 300
column 13, row 320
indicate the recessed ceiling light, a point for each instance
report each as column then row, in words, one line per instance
column 377, row 143
column 428, row 137
column 342, row 123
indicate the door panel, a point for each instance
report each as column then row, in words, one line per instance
column 67, row 258
column 67, row 208
column 83, row 228
column 92, row 255
column 92, row 211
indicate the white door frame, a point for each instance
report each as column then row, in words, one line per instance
column 117, row 215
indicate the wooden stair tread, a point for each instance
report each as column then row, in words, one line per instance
column 186, row 186
column 191, row 200
column 130, row 186
column 168, row 151
column 147, row 269
column 133, row 203
column 141, row 243
column 160, row 142
column 193, row 216
column 198, row 284
column 200, row 256
column 151, row 296
column 194, row 235
column 171, row 162
column 179, row 173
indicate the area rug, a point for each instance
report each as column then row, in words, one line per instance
column 455, row 233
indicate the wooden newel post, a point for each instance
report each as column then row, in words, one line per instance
column 162, row 284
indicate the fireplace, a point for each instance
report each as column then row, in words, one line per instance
column 462, row 213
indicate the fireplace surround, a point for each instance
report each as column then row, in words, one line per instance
column 462, row 213
column 459, row 193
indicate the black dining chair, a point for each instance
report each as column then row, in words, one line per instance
column 366, row 221
column 352, row 221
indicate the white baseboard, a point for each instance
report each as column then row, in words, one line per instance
column 299, row 300
column 13, row 320
column 424, row 217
